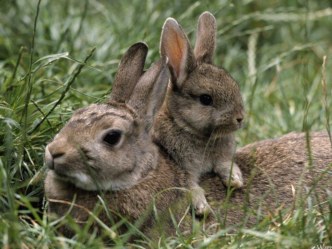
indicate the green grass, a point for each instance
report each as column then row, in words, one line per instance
column 61, row 55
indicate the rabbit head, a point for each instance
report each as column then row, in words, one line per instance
column 204, row 99
column 107, row 146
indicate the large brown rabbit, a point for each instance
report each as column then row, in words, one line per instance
column 203, row 108
column 106, row 150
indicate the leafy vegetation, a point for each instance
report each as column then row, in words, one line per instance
column 56, row 56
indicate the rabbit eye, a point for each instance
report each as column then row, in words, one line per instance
column 205, row 99
column 112, row 137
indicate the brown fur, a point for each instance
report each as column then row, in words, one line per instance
column 106, row 149
column 278, row 175
column 160, row 186
column 272, row 170
column 107, row 146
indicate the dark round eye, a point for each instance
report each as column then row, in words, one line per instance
column 112, row 137
column 205, row 99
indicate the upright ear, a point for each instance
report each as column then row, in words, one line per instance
column 129, row 72
column 175, row 46
column 206, row 38
column 149, row 93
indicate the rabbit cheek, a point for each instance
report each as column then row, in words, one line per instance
column 116, row 165
column 69, row 167
column 199, row 119
column 82, row 181
column 199, row 116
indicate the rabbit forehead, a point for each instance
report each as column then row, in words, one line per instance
column 92, row 120
column 208, row 79
column 93, row 114
column 218, row 76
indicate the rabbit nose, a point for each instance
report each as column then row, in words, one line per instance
column 51, row 153
column 239, row 117
column 239, row 120
column 48, row 159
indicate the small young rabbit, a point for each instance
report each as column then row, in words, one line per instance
column 203, row 108
column 107, row 148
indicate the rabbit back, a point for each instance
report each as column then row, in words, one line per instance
column 279, row 176
column 276, row 173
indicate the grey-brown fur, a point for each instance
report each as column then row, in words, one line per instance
column 199, row 135
column 271, row 169
column 86, row 158
column 159, row 186
column 82, row 153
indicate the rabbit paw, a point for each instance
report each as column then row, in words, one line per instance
column 232, row 176
column 199, row 202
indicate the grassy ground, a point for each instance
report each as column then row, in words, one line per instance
column 280, row 52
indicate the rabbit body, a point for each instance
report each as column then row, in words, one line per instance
column 280, row 175
column 106, row 150
column 160, row 187
column 202, row 110
column 276, row 172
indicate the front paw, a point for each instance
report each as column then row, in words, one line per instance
column 233, row 178
column 199, row 203
column 201, row 208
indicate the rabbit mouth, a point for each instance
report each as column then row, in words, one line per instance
column 223, row 129
column 61, row 176
column 78, row 179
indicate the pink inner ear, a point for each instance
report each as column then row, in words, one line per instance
column 175, row 48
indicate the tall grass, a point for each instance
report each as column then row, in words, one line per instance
column 56, row 56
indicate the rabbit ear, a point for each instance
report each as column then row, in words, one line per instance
column 130, row 70
column 150, row 91
column 175, row 46
column 206, row 38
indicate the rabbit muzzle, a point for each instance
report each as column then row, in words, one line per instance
column 55, row 153
column 53, row 161
column 56, row 158
column 48, row 159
